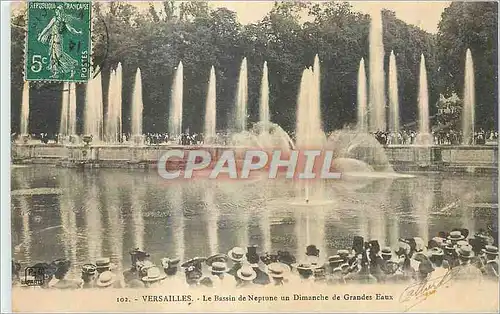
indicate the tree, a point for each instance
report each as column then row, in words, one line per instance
column 471, row 25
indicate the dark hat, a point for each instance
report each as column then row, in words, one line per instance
column 252, row 250
column 268, row 258
column 138, row 253
column 48, row 270
column 89, row 269
column 435, row 251
column 61, row 263
column 490, row 249
column 455, row 236
column 219, row 257
column 170, row 262
column 442, row 234
column 312, row 250
column 236, row 254
column 465, row 251
column 286, row 257
column 196, row 261
column 425, row 267
column 374, row 246
column 218, row 267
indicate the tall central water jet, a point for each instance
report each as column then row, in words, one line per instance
column 468, row 114
column 362, row 114
column 264, row 97
column 25, row 109
column 93, row 115
column 424, row 137
column 137, row 106
column 393, row 97
column 63, row 126
column 377, row 84
column 175, row 119
column 72, row 109
column 210, row 109
column 118, row 105
column 242, row 98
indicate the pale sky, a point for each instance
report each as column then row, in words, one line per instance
column 425, row 14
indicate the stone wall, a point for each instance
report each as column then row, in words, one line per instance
column 403, row 158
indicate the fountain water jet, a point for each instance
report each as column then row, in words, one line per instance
column 468, row 118
column 377, row 85
column 362, row 114
column 424, row 137
column 93, row 115
column 175, row 119
column 210, row 109
column 242, row 98
column 264, row 97
column 64, row 124
column 72, row 110
column 25, row 110
column 137, row 108
column 118, row 98
column 393, row 97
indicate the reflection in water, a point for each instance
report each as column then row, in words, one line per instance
column 136, row 208
column 380, row 209
column 422, row 192
column 176, row 200
column 69, row 237
column 24, row 211
column 212, row 214
column 113, row 211
column 93, row 219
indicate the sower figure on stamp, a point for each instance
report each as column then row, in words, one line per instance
column 60, row 61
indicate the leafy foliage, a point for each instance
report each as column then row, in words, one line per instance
column 156, row 40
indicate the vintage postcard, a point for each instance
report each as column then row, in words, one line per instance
column 254, row 156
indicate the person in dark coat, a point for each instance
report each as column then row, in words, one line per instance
column 253, row 258
column 62, row 268
column 136, row 256
column 89, row 272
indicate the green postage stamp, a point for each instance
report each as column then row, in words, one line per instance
column 58, row 43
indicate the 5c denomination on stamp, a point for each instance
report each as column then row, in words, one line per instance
column 58, row 44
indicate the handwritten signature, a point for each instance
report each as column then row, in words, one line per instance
column 419, row 291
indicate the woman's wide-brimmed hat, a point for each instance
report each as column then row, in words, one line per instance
column 490, row 250
column 89, row 269
column 455, row 236
column 194, row 261
column 435, row 251
column 154, row 274
column 246, row 273
column 278, row 270
column 218, row 267
column 236, row 254
column 106, row 279
column 219, row 257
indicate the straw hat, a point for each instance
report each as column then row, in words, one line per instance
column 102, row 263
column 246, row 273
column 218, row 267
column 490, row 250
column 106, row 279
column 386, row 251
column 465, row 251
column 154, row 274
column 278, row 270
column 455, row 236
column 435, row 251
column 236, row 254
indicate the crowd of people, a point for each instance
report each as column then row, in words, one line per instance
column 471, row 257
column 408, row 137
column 404, row 137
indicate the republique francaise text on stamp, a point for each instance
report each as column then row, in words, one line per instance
column 58, row 41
